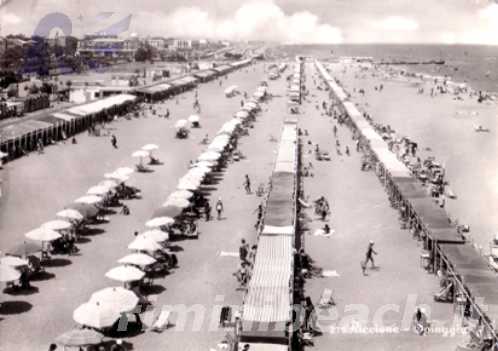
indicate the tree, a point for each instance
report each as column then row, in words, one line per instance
column 144, row 53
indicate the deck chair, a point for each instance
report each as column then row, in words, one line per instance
column 326, row 299
column 162, row 322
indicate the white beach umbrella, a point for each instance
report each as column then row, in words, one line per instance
column 185, row 184
column 191, row 178
column 42, row 234
column 8, row 273
column 205, row 164
column 150, row 147
column 156, row 235
column 117, row 298
column 125, row 274
column 79, row 337
column 98, row 190
column 176, row 201
column 194, row 119
column 121, row 178
column 183, row 194
column 201, row 169
column 13, row 261
column 57, row 225
column 109, row 183
column 242, row 114
column 124, row 171
column 209, row 156
column 140, row 154
column 159, row 222
column 181, row 123
column 138, row 259
column 96, row 315
column 89, row 199
column 143, row 243
column 69, row 213
column 253, row 105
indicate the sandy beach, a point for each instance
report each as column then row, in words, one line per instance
column 41, row 185
column 360, row 211
column 446, row 126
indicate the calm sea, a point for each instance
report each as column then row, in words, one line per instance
column 473, row 64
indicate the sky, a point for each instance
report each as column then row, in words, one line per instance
column 283, row 21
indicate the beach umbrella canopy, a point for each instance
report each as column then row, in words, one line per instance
column 183, row 194
column 118, row 298
column 98, row 190
column 208, row 164
column 209, row 156
column 42, row 234
column 89, row 199
column 8, row 273
column 121, row 178
column 143, row 243
column 25, row 249
column 86, row 210
column 167, row 211
column 156, row 235
column 13, row 261
column 252, row 104
column 159, row 222
column 177, row 201
column 125, row 274
column 194, row 119
column 124, row 171
column 150, row 147
column 57, row 225
column 140, row 154
column 243, row 114
column 80, row 337
column 70, row 214
column 184, row 184
column 96, row 315
column 181, row 123
column 138, row 259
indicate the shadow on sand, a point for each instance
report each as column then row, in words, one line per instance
column 41, row 276
column 57, row 262
column 14, row 307
column 21, row 292
column 93, row 231
column 154, row 289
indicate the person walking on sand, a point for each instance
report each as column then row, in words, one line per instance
column 247, row 184
column 219, row 208
column 243, row 251
column 369, row 256
column 207, row 211
column 114, row 141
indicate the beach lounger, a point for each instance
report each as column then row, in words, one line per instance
column 162, row 322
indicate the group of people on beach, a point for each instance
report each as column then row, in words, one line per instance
column 247, row 256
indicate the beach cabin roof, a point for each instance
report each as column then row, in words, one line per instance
column 101, row 105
